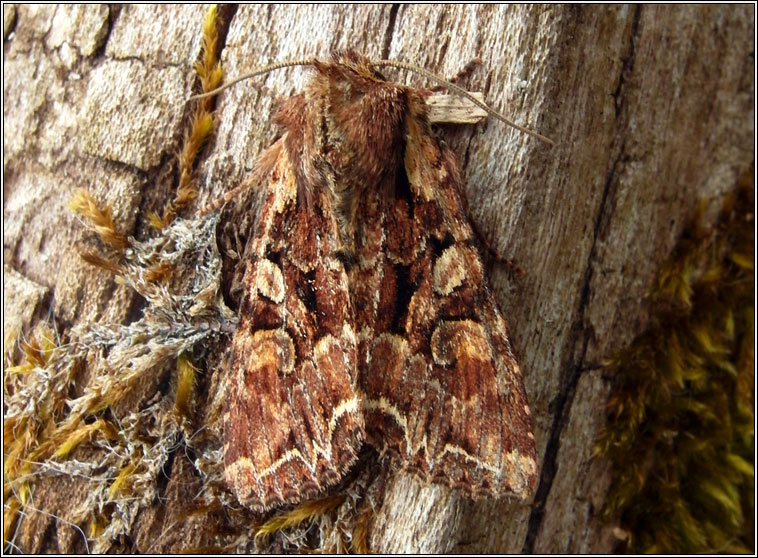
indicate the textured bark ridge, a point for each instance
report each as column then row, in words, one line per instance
column 652, row 109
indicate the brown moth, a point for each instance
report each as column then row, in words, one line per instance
column 367, row 316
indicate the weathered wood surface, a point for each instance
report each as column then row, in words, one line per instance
column 651, row 108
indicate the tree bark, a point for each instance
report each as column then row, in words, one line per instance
column 651, row 108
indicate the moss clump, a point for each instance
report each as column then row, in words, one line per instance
column 47, row 416
column 680, row 429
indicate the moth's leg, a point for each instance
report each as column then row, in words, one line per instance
column 499, row 258
column 226, row 197
column 263, row 165
column 462, row 73
column 466, row 70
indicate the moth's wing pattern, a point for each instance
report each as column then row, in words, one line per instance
column 292, row 422
column 443, row 391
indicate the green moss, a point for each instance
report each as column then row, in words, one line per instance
column 680, row 427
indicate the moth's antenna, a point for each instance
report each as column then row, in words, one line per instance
column 379, row 63
column 256, row 72
column 461, row 91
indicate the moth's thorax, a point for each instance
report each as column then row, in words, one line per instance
column 353, row 128
column 360, row 134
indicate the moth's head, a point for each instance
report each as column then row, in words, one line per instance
column 355, row 63
column 354, row 70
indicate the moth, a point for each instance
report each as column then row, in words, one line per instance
column 366, row 315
